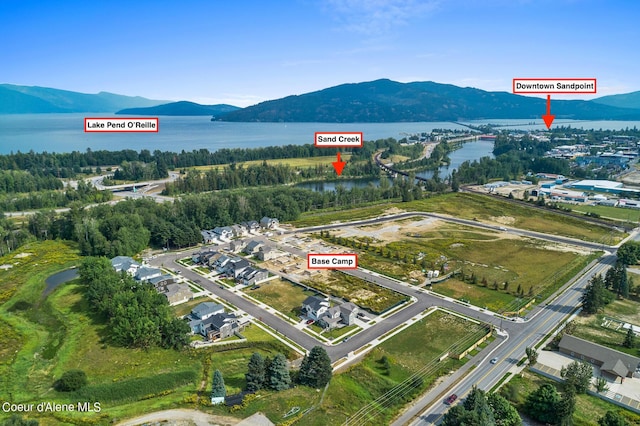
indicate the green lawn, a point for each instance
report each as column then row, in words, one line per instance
column 588, row 408
column 304, row 163
column 617, row 213
column 282, row 295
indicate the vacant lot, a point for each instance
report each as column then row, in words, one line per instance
column 367, row 295
column 303, row 163
column 282, row 295
column 482, row 208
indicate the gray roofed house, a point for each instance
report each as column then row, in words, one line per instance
column 208, row 236
column 252, row 247
column 252, row 276
column 223, row 232
column 237, row 266
column 239, row 230
column 177, row 293
column 236, row 246
column 252, row 225
column 269, row 222
column 206, row 309
column 145, row 273
column 220, row 326
column 313, row 307
column 126, row 264
column 267, row 253
column 609, row 360
column 162, row 280
column 348, row 312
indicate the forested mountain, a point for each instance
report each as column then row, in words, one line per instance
column 390, row 101
column 181, row 108
column 625, row 100
column 33, row 100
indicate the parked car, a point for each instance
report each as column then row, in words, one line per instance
column 310, row 321
column 451, row 399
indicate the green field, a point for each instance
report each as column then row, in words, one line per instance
column 588, row 408
column 283, row 296
column 617, row 213
column 482, row 257
column 482, row 208
column 293, row 162
column 43, row 337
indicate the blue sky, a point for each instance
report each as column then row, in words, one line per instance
column 245, row 52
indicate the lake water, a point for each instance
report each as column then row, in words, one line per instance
column 468, row 152
column 65, row 132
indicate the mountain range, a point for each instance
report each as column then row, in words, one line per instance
column 34, row 100
column 375, row 101
column 391, row 101
column 181, row 108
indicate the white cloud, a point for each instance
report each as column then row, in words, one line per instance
column 377, row 16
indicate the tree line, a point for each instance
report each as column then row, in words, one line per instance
column 51, row 199
column 138, row 316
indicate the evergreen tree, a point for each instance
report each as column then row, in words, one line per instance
column 504, row 413
column 541, row 404
column 612, row 418
column 255, row 375
column 577, row 375
column 629, row 338
column 566, row 406
column 278, row 374
column 594, row 297
column 217, row 389
column 315, row 370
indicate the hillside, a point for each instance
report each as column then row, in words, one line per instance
column 34, row 100
column 625, row 100
column 181, row 108
column 390, row 101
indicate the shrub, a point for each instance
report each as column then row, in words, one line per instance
column 71, row 381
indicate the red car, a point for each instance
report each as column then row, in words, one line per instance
column 451, row 399
column 310, row 321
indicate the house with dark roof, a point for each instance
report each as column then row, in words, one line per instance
column 177, row 293
column 239, row 231
column 267, row 253
column 126, row 264
column 610, row 361
column 269, row 222
column 313, row 307
column 252, row 226
column 236, row 267
column 236, row 246
column 162, row 281
column 202, row 312
column 341, row 315
column 219, row 326
column 252, row 247
column 146, row 273
column 252, row 276
column 209, row 237
column 223, row 232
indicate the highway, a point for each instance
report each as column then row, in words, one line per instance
column 521, row 336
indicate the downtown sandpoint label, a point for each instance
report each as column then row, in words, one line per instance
column 121, row 124
column 554, row 85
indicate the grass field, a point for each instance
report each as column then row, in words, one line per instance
column 283, row 296
column 293, row 162
column 588, row 408
column 407, row 352
column 43, row 337
column 525, row 264
column 617, row 213
column 482, row 208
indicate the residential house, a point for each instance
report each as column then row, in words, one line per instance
column 343, row 314
column 252, row 226
column 209, row 237
column 223, row 232
column 610, row 361
column 202, row 256
column 239, row 231
column 269, row 222
column 236, row 267
column 313, row 307
column 177, row 293
column 252, row 276
column 202, row 312
column 267, row 253
column 220, row 264
column 126, row 264
column 162, row 281
column 146, row 273
column 252, row 247
column 236, row 246
column 348, row 312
